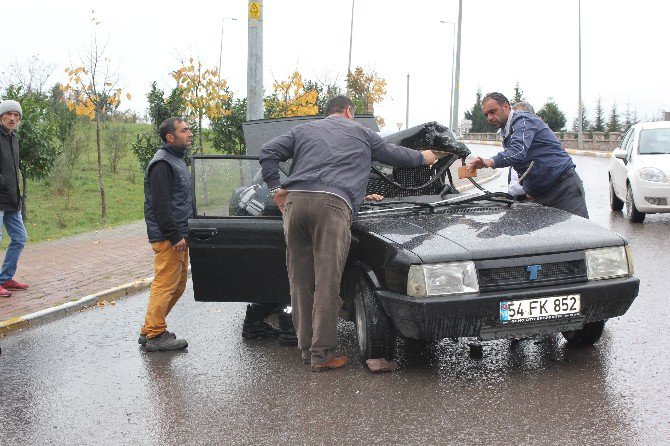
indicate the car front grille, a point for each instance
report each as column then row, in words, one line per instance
column 492, row 279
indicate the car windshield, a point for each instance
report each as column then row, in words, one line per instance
column 654, row 141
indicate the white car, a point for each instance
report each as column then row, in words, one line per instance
column 639, row 173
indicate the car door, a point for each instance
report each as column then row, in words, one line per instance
column 618, row 168
column 236, row 238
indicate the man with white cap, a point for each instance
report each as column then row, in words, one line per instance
column 10, row 196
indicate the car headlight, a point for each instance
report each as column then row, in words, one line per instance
column 652, row 174
column 606, row 263
column 442, row 278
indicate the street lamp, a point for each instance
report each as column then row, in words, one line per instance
column 453, row 50
column 351, row 34
column 457, row 71
column 580, row 123
column 221, row 46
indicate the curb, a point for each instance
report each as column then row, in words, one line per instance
column 570, row 151
column 49, row 314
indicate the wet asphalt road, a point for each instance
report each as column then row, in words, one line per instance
column 83, row 379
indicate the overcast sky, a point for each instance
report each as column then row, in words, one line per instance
column 533, row 42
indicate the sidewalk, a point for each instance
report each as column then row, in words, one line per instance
column 570, row 151
column 87, row 268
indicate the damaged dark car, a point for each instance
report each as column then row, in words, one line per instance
column 427, row 262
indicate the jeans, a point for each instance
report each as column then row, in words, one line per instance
column 13, row 222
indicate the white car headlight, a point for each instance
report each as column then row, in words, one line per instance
column 442, row 278
column 606, row 263
column 652, row 174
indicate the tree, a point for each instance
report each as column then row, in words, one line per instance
column 325, row 91
column 599, row 123
column 586, row 123
column 630, row 118
column 614, row 124
column 476, row 115
column 160, row 108
column 552, row 115
column 203, row 92
column 291, row 98
column 116, row 142
column 38, row 136
column 365, row 90
column 227, row 135
column 518, row 94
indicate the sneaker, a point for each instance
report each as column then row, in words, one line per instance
column 143, row 338
column 257, row 329
column 286, row 332
column 14, row 285
column 164, row 343
column 4, row 292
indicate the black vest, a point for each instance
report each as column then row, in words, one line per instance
column 182, row 196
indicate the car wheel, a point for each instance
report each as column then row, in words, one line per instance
column 374, row 330
column 632, row 213
column 615, row 203
column 588, row 335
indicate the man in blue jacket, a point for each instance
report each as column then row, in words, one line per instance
column 325, row 187
column 531, row 148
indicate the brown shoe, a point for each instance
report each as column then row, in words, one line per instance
column 334, row 363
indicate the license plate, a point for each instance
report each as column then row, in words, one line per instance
column 539, row 309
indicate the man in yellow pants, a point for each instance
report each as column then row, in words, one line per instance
column 168, row 204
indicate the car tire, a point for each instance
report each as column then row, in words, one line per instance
column 615, row 203
column 632, row 213
column 375, row 332
column 588, row 335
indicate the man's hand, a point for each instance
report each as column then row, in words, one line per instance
column 280, row 198
column 374, row 197
column 480, row 162
column 429, row 157
column 180, row 246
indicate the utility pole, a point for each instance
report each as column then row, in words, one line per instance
column 221, row 45
column 407, row 109
column 351, row 35
column 457, row 71
column 580, row 119
column 255, row 62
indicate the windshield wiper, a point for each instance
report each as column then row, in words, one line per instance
column 392, row 205
column 498, row 197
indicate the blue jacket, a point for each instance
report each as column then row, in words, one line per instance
column 332, row 155
column 527, row 138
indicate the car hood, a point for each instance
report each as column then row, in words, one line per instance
column 489, row 231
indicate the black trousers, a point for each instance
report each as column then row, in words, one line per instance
column 567, row 194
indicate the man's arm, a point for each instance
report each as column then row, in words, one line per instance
column 398, row 156
column 273, row 152
column 523, row 132
column 161, row 179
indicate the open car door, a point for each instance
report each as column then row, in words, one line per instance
column 236, row 237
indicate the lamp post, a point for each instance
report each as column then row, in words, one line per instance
column 457, row 70
column 221, row 45
column 453, row 50
column 351, row 34
column 580, row 128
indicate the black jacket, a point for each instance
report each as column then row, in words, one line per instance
column 9, row 171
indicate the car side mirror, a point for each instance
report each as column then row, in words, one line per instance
column 620, row 153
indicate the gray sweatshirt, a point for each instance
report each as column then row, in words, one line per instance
column 332, row 155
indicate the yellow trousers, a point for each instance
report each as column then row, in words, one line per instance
column 171, row 273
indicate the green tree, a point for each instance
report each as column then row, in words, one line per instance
column 614, row 122
column 552, row 115
column 365, row 89
column 630, row 118
column 518, row 94
column 599, row 122
column 476, row 115
column 586, row 123
column 325, row 91
column 38, row 137
column 227, row 136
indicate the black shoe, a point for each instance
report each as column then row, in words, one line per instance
column 257, row 329
column 143, row 338
column 164, row 343
column 286, row 332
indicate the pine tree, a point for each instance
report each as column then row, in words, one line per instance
column 586, row 124
column 552, row 115
column 614, row 123
column 518, row 94
column 599, row 123
column 476, row 115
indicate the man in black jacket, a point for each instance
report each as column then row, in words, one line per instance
column 168, row 204
column 10, row 196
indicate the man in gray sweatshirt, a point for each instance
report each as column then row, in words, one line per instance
column 325, row 187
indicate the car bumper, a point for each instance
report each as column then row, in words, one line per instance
column 647, row 189
column 479, row 315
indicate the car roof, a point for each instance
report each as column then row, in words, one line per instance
column 653, row 125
